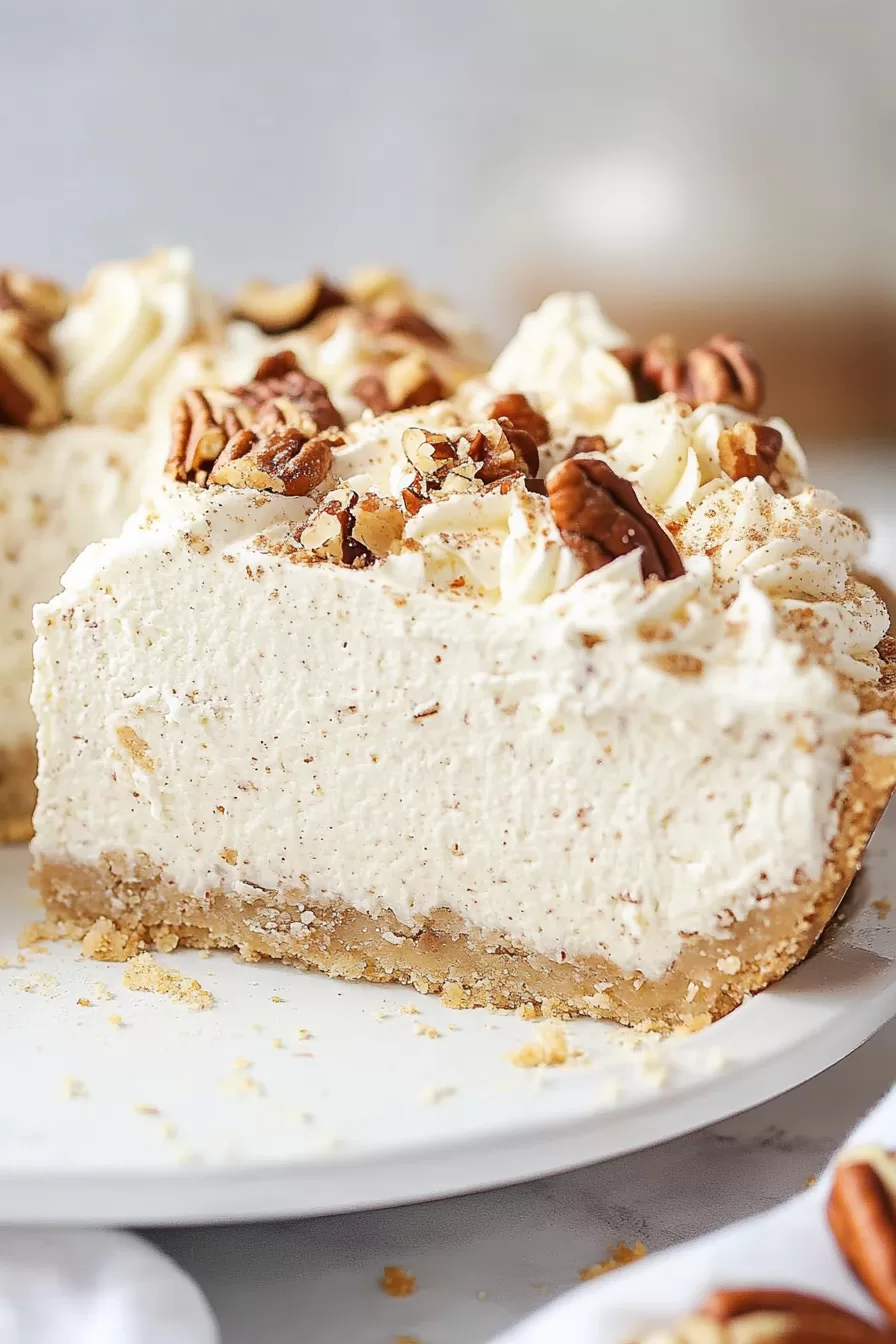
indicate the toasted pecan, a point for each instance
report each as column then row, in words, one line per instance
column 723, row 369
column 862, row 1216
column 600, row 517
column 399, row 385
column 280, row 308
column 750, row 450
column 516, row 408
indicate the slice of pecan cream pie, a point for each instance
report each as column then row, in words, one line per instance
column 86, row 386
column 394, row 701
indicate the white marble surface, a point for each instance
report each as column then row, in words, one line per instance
column 483, row 1261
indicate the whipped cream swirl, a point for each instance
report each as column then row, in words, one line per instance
column 672, row 452
column 561, row 359
column 799, row 552
column 489, row 545
column 120, row 337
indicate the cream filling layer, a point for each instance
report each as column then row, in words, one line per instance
column 605, row 771
column 58, row 492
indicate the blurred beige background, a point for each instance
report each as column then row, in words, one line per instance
column 702, row 163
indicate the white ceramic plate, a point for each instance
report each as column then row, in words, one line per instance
column 183, row 1116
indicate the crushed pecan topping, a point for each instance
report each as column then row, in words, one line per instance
column 503, row 450
column 353, row 529
column 490, row 453
column 723, row 369
column 516, row 408
column 862, row 1216
column 279, row 308
column 398, row 386
column 600, row 518
column 30, row 392
column 782, row 1314
column 750, row 450
column 282, row 461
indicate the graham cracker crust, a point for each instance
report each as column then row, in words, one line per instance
column 18, row 768
column 124, row 903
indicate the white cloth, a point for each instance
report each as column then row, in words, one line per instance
column 790, row 1247
column 89, row 1287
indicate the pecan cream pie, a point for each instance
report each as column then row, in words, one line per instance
column 558, row 691
column 86, row 386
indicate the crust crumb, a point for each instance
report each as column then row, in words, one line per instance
column 619, row 1255
column 144, row 974
column 454, row 996
column 550, row 1047
column 397, row 1282
column 103, row 942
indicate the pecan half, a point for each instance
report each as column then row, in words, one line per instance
column 403, row 320
column 280, row 378
column 40, row 301
column 723, row 369
column 368, row 283
column 30, row 392
column 726, row 370
column 600, row 517
column 516, row 408
column 398, row 386
column 282, row 461
column 353, row 530
column 862, row 1216
column 781, row 1313
column 750, row 450
column 199, row 432
column 279, row 308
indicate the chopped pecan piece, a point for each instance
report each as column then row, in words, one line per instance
column 588, row 443
column 403, row 320
column 282, row 461
column 398, row 386
column 30, row 392
column 516, row 408
column 491, row 452
column 750, row 450
column 723, row 369
column 862, row 1216
column 280, row 379
column 600, row 518
column 353, row 530
column 279, row 308
column 503, row 450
